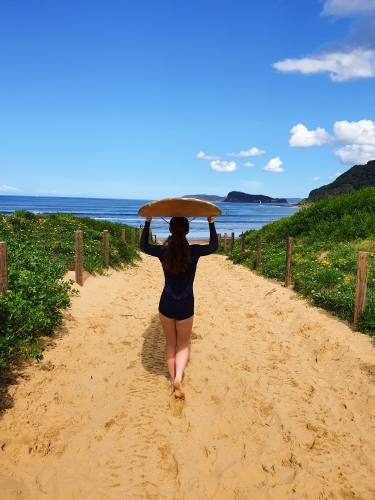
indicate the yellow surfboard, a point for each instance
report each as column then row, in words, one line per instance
column 179, row 207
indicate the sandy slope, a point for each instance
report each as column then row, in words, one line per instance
column 280, row 399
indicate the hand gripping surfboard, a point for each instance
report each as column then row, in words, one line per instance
column 179, row 207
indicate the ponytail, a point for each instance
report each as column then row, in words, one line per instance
column 177, row 251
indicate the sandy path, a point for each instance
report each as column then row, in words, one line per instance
column 280, row 399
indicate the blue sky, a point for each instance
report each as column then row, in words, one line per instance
column 146, row 99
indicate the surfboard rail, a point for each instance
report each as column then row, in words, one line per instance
column 179, row 207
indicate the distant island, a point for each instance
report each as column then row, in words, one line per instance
column 239, row 197
column 355, row 178
column 205, row 197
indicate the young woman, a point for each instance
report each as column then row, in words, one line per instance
column 176, row 306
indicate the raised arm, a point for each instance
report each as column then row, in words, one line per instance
column 213, row 243
column 153, row 250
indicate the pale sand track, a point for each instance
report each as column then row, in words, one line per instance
column 280, row 399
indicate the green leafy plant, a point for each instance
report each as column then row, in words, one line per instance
column 41, row 249
column 327, row 237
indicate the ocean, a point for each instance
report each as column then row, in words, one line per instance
column 236, row 217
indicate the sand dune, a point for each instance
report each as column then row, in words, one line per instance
column 280, row 399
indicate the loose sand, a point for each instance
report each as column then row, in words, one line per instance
column 280, row 398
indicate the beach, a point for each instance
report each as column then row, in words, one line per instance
column 280, row 398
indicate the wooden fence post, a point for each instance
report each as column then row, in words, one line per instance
column 155, row 238
column 243, row 243
column 123, row 236
column 288, row 262
column 232, row 243
column 361, row 287
column 132, row 237
column 106, row 247
column 139, row 235
column 3, row 268
column 79, row 258
column 219, row 239
column 225, row 241
column 259, row 251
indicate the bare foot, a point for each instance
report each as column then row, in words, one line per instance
column 178, row 391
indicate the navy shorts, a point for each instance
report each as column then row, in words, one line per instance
column 176, row 308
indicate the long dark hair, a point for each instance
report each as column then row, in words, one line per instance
column 177, row 251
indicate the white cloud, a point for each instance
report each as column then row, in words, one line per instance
column 274, row 165
column 203, row 156
column 356, row 154
column 304, row 138
column 358, row 137
column 6, row 188
column 334, row 176
column 361, row 132
column 250, row 152
column 315, row 179
column 361, row 135
column 228, row 166
column 224, row 166
column 341, row 66
column 350, row 59
column 347, row 7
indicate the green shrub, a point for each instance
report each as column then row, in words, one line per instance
column 327, row 237
column 41, row 249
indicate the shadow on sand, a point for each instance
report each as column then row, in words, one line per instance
column 7, row 379
column 153, row 349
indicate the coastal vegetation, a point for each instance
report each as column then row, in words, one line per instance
column 41, row 249
column 327, row 237
column 355, row 178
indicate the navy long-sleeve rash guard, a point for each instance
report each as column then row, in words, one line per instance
column 180, row 285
